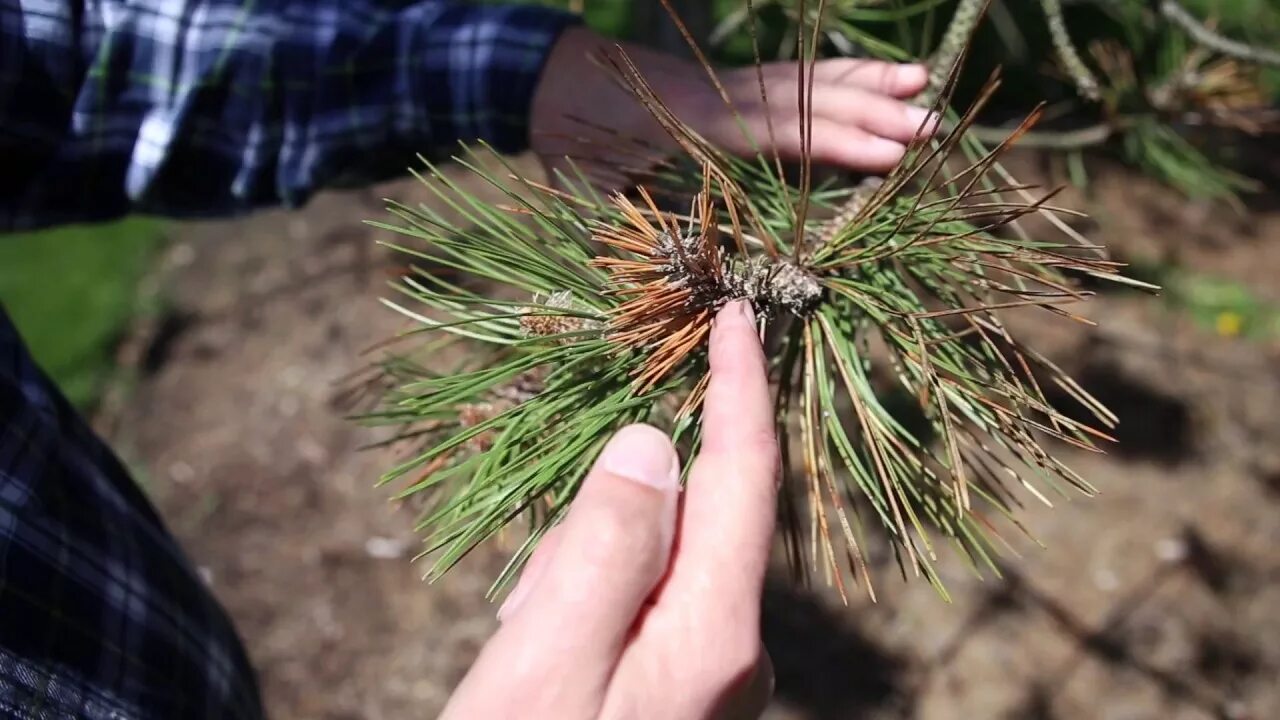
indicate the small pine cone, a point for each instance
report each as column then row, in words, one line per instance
column 473, row 414
column 548, row 325
column 540, row 323
column 522, row 388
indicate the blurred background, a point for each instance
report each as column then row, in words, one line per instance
column 213, row 357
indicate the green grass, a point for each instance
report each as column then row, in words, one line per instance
column 1218, row 304
column 71, row 292
column 1227, row 307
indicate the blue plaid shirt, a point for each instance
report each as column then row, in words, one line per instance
column 195, row 107
column 209, row 107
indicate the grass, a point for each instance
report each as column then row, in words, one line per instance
column 1227, row 307
column 1218, row 304
column 71, row 292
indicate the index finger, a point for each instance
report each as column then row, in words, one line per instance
column 730, row 503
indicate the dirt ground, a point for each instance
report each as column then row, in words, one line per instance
column 1156, row 600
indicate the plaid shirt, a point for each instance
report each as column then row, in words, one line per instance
column 190, row 108
column 100, row 614
column 209, row 107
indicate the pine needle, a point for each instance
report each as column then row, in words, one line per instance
column 617, row 298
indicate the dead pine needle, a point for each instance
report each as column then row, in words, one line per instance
column 580, row 313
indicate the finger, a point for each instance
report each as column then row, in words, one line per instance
column 833, row 143
column 840, row 144
column 895, row 79
column 729, row 506
column 737, row 408
column 749, row 698
column 613, row 547
column 534, row 569
column 873, row 112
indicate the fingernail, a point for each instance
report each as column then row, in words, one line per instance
column 884, row 149
column 733, row 311
column 912, row 73
column 642, row 454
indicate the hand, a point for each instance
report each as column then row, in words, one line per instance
column 645, row 602
column 860, row 118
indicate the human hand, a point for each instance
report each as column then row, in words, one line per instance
column 861, row 120
column 645, row 601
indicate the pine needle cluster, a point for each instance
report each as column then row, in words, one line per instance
column 870, row 296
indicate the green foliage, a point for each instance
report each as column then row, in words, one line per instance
column 905, row 408
column 538, row 448
column 1222, row 306
column 613, row 299
column 71, row 292
column 1254, row 20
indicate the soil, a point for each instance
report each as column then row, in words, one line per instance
column 1155, row 600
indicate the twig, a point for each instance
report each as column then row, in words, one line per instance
column 1086, row 83
column 849, row 211
column 954, row 41
column 1085, row 137
column 1202, row 34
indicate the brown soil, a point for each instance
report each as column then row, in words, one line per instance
column 1156, row 600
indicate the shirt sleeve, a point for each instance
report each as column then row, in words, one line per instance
column 214, row 107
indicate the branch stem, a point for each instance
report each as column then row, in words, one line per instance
column 1078, row 139
column 1086, row 84
column 1201, row 33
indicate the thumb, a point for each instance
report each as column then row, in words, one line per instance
column 610, row 553
column 561, row 637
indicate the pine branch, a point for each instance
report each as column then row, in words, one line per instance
column 1086, row 84
column 954, row 42
column 1077, row 139
column 1213, row 40
column 613, row 300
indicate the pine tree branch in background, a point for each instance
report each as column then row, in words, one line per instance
column 1086, row 84
column 1078, row 139
column 967, row 15
column 1211, row 39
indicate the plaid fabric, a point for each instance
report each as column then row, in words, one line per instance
column 190, row 108
column 101, row 616
column 210, row 107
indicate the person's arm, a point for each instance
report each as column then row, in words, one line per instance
column 213, row 107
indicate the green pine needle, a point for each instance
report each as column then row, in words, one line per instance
column 905, row 408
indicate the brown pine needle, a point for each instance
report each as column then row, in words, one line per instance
column 900, row 285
